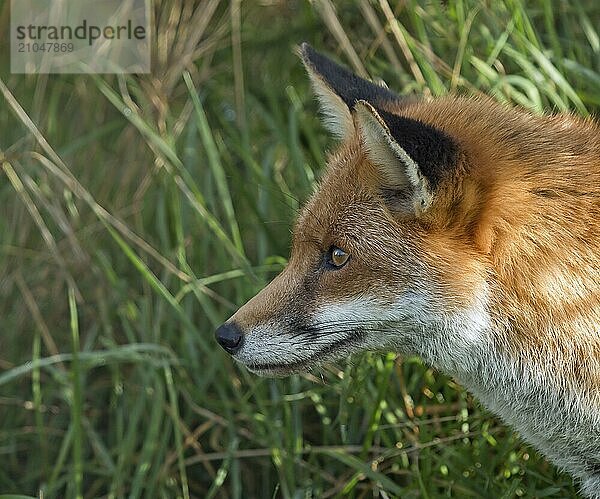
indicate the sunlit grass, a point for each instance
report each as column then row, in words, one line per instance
column 138, row 212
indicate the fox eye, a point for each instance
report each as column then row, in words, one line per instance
column 338, row 257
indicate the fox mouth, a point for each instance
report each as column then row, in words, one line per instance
column 277, row 370
column 332, row 351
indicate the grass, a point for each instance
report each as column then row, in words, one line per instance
column 139, row 211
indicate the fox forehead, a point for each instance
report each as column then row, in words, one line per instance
column 343, row 198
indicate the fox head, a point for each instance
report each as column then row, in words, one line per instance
column 384, row 253
column 457, row 229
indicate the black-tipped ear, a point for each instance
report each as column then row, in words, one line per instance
column 339, row 90
column 349, row 87
column 413, row 158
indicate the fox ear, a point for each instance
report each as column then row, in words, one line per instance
column 412, row 157
column 338, row 90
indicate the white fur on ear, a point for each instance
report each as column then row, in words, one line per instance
column 336, row 114
column 398, row 170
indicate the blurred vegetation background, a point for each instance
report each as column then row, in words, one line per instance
column 137, row 212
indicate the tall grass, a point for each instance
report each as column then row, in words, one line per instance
column 139, row 211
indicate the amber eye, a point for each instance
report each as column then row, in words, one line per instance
column 338, row 257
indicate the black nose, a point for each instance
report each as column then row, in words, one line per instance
column 230, row 337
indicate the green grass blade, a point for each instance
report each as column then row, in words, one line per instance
column 214, row 163
column 77, row 399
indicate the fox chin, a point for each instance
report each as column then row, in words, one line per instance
column 457, row 229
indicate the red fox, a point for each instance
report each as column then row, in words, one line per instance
column 458, row 229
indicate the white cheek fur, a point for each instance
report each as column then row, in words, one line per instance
column 358, row 309
column 416, row 322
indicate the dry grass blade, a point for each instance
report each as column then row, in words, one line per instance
column 333, row 23
column 39, row 221
column 37, row 316
column 401, row 41
column 380, row 34
column 238, row 70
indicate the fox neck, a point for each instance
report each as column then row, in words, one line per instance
column 532, row 389
column 455, row 342
column 557, row 415
column 484, row 351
